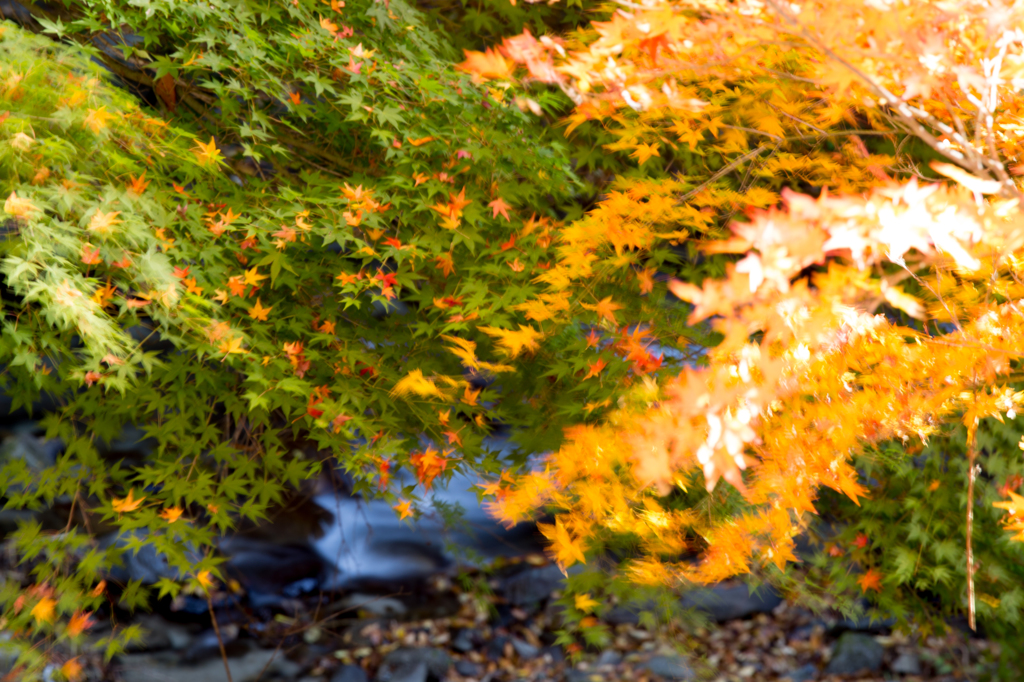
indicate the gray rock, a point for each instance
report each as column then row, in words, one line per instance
column 609, row 657
column 906, row 663
column 524, row 649
column 463, row 641
column 853, row 653
column 725, row 601
column 406, row 659
column 416, row 672
column 574, row 675
column 468, row 669
column 668, row 667
column 805, row 673
column 373, row 604
column 349, row 673
column 622, row 615
column 536, row 584
column 144, row 563
column 207, row 645
column 257, row 664
column 156, row 635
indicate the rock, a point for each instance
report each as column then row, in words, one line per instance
column 407, row 659
column 575, row 675
column 906, row 663
column 463, row 642
column 534, row 585
column 349, row 673
column 668, row 667
column 407, row 673
column 622, row 615
column 805, row 673
column 496, row 647
column 206, row 645
column 727, row 601
column 524, row 649
column 159, row 635
column 269, row 568
column 609, row 657
column 468, row 669
column 258, row 664
column 855, row 652
column 373, row 605
column 145, row 563
column 878, row 626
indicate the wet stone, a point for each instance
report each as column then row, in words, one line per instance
column 907, row 663
column 805, row 673
column 855, row 652
column 405, row 660
column 524, row 649
column 609, row 657
column 349, row 673
column 668, row 667
column 724, row 602
column 468, row 669
column 463, row 641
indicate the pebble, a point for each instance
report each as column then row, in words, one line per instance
column 907, row 663
column 669, row 667
column 524, row 649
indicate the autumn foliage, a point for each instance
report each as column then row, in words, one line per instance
column 356, row 252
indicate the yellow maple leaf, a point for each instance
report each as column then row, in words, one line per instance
column 566, row 550
column 253, row 277
column 43, row 611
column 415, row 382
column 258, row 312
column 586, row 603
column 71, row 670
column 230, row 346
column 96, row 120
column 128, row 504
column 515, row 342
column 643, row 152
column 207, row 154
column 103, row 223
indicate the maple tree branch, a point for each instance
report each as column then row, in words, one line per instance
column 724, row 171
column 912, row 117
column 971, row 475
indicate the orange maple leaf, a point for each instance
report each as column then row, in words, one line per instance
column 258, row 312
column 499, row 207
column 71, row 670
column 43, row 611
column 90, row 254
column 429, row 464
column 171, row 514
column 419, row 143
column 127, row 504
column 404, row 509
column 605, row 308
column 595, row 369
column 515, row 342
column 871, row 580
column 79, row 623
column 487, row 65
column 566, row 550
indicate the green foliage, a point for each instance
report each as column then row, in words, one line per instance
column 911, row 529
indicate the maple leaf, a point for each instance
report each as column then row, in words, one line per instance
column 90, row 254
column 43, row 611
column 127, row 504
column 253, row 277
column 453, row 437
column 595, row 369
column 171, row 514
column 138, row 185
column 415, row 382
column 328, row 25
column 419, row 143
column 404, row 509
column 258, row 312
column 870, row 580
column 515, row 342
column 21, row 208
column 231, row 346
column 646, row 280
column 207, row 154
column 71, row 670
column 96, row 120
column 644, row 152
column 429, row 464
column 605, row 309
column 499, row 207
column 486, row 65
column 79, row 623
column 585, row 603
column 566, row 550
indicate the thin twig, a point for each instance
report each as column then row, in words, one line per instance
column 727, row 169
column 971, row 475
column 220, row 640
